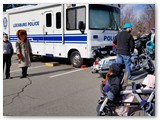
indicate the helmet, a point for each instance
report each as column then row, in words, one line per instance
column 150, row 45
column 127, row 25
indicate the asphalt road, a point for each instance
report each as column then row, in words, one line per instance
column 53, row 91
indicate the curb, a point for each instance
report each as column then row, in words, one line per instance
column 51, row 64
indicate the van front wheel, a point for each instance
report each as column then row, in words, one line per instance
column 76, row 59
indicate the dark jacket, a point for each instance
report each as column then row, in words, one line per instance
column 115, row 79
column 125, row 43
column 113, row 83
column 7, row 48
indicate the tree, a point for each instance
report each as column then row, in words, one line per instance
column 148, row 17
column 128, row 16
column 142, row 24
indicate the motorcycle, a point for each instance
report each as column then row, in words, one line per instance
column 141, row 59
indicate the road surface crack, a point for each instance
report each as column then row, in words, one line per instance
column 18, row 94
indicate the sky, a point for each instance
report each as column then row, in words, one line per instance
column 138, row 8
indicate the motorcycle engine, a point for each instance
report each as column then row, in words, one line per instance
column 134, row 63
column 134, row 59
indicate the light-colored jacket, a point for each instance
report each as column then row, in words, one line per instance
column 24, row 48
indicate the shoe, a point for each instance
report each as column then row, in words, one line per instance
column 8, row 77
column 101, row 100
column 129, row 81
column 23, row 77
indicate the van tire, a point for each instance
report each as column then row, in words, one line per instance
column 75, row 59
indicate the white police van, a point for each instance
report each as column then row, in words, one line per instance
column 64, row 30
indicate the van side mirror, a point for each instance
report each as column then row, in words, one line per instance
column 81, row 26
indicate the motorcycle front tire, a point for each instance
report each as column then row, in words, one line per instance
column 151, row 67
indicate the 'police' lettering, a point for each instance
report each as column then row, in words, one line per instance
column 36, row 23
column 108, row 38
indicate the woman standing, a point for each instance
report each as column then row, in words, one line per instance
column 24, row 52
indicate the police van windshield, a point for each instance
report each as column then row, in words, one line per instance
column 103, row 17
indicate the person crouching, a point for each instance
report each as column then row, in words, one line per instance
column 113, row 81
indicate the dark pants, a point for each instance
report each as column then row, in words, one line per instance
column 7, row 62
column 24, row 71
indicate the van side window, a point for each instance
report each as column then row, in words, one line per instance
column 73, row 16
column 58, row 20
column 71, row 19
column 48, row 19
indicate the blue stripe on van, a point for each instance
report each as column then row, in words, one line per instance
column 75, row 38
column 52, row 35
column 54, row 38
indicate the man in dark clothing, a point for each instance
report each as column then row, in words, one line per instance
column 7, row 55
column 125, row 45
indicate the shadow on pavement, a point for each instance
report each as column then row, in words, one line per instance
column 44, row 73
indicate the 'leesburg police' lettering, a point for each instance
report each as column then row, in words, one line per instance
column 36, row 23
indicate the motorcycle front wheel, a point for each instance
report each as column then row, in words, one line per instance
column 151, row 67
